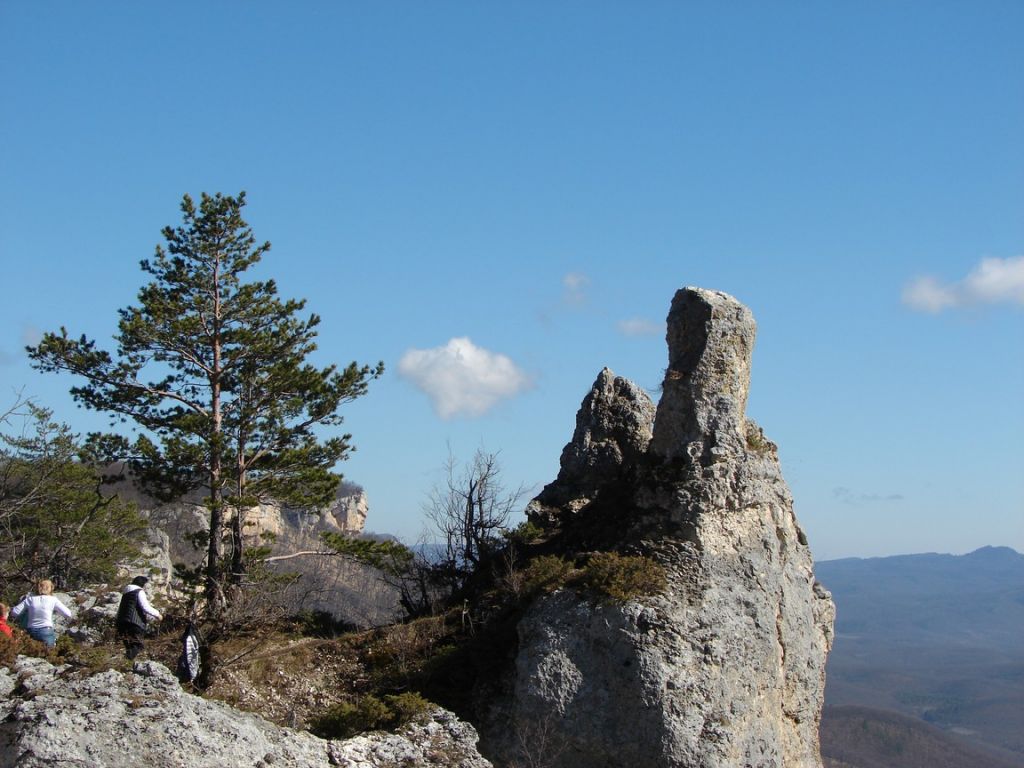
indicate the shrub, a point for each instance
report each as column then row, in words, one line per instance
column 23, row 645
column 524, row 533
column 546, row 574
column 757, row 442
column 320, row 624
column 407, row 706
column 95, row 659
column 345, row 719
column 398, row 650
column 370, row 713
column 9, row 650
column 622, row 577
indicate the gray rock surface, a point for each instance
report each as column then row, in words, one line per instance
column 53, row 716
column 704, row 393
column 613, row 428
column 726, row 666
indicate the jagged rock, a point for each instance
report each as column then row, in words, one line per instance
column 51, row 717
column 613, row 427
column 725, row 667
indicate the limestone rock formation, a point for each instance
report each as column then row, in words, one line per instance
column 704, row 393
column 50, row 717
column 338, row 586
column 613, row 428
column 725, row 667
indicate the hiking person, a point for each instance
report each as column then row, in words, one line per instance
column 133, row 614
column 40, row 607
column 189, row 663
column 4, row 626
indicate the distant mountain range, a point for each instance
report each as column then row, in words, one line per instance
column 859, row 737
column 939, row 638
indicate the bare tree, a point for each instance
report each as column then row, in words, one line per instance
column 468, row 512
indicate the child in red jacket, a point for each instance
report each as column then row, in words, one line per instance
column 3, row 620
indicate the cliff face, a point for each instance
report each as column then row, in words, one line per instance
column 726, row 666
column 337, row 585
column 291, row 529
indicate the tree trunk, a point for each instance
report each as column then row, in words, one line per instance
column 215, row 552
column 468, row 523
column 238, row 521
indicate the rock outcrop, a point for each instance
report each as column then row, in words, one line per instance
column 613, row 428
column 338, row 586
column 723, row 668
column 175, row 524
column 50, row 716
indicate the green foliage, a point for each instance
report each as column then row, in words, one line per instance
column 546, row 574
column 609, row 575
column 524, row 533
column 213, row 370
column 418, row 582
column 56, row 521
column 389, row 556
column 407, row 706
column 319, row 624
column 369, row 713
column 620, row 578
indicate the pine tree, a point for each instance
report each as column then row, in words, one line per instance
column 56, row 520
column 214, row 371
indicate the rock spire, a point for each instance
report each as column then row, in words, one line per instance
column 725, row 667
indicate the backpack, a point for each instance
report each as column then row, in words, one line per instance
column 189, row 663
column 21, row 620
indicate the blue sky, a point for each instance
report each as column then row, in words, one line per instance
column 499, row 199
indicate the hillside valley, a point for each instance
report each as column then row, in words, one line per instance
column 934, row 637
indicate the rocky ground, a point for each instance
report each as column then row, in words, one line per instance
column 65, row 707
column 139, row 714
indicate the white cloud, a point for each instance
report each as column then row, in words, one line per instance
column 856, row 498
column 461, row 378
column 575, row 284
column 992, row 281
column 927, row 295
column 997, row 280
column 639, row 326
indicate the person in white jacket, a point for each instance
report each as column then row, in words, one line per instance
column 133, row 614
column 40, row 607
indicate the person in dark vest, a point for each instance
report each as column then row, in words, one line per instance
column 133, row 614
